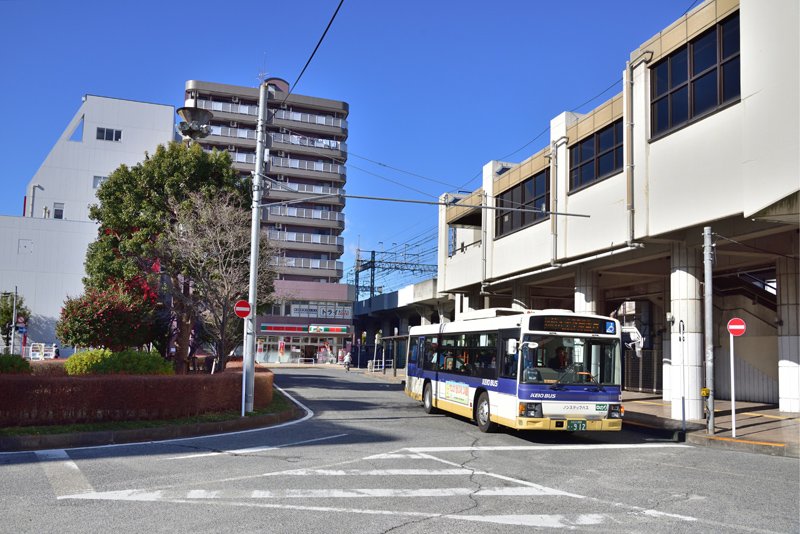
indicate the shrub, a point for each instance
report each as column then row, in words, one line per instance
column 14, row 364
column 129, row 362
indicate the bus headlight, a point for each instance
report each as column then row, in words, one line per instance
column 615, row 411
column 530, row 409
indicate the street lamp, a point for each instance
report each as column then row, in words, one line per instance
column 195, row 125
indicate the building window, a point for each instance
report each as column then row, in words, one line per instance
column 696, row 79
column 97, row 181
column 58, row 210
column 109, row 134
column 532, row 194
column 596, row 157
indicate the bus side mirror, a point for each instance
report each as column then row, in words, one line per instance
column 511, row 346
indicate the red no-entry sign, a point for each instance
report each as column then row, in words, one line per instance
column 736, row 327
column 241, row 309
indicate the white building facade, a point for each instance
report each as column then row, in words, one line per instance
column 44, row 251
column 609, row 218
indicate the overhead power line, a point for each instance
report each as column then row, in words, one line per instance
column 328, row 27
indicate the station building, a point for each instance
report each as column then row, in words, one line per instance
column 610, row 217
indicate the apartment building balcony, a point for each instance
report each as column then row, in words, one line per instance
column 326, row 244
column 309, row 267
column 224, row 137
column 305, row 217
column 228, row 111
column 281, row 190
column 308, row 146
column 308, row 122
column 299, row 168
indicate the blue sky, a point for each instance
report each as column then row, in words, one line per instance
column 436, row 87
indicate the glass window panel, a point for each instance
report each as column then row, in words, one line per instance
column 730, row 80
column 605, row 139
column 574, row 178
column 678, row 68
column 516, row 196
column 660, row 78
column 529, row 190
column 109, row 134
column 117, row 135
column 618, row 132
column 679, row 110
column 587, row 149
column 541, row 183
column 605, row 164
column 574, row 156
column 704, row 52
column 660, row 116
column 587, row 172
column 101, row 133
column 730, row 37
column 704, row 93
column 618, row 158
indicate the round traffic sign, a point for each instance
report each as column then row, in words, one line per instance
column 241, row 309
column 736, row 327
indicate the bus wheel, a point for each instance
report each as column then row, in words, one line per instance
column 427, row 399
column 482, row 414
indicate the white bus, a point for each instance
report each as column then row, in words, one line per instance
column 524, row 369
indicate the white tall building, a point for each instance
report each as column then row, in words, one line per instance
column 704, row 133
column 44, row 251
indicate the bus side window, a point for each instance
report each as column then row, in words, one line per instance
column 414, row 345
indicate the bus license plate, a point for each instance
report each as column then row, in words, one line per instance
column 576, row 425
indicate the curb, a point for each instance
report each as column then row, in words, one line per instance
column 745, row 445
column 138, row 435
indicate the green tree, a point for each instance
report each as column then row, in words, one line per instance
column 140, row 203
column 7, row 314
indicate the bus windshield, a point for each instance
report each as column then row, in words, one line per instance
column 561, row 360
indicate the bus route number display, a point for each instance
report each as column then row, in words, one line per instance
column 565, row 323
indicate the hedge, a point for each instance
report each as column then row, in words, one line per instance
column 49, row 400
column 14, row 364
column 130, row 362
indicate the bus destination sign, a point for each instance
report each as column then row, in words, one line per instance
column 576, row 324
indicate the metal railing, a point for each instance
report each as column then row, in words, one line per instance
column 317, row 166
column 310, row 118
column 308, row 263
column 228, row 107
column 305, row 213
column 314, row 142
column 300, row 237
column 238, row 133
column 307, row 188
column 643, row 374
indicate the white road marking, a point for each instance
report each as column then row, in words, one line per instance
column 552, row 447
column 394, row 493
column 378, row 472
column 251, row 450
column 393, row 456
column 64, row 475
column 309, row 414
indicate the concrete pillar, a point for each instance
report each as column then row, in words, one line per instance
column 519, row 296
column 666, row 348
column 788, row 274
column 402, row 325
column 687, row 348
column 587, row 290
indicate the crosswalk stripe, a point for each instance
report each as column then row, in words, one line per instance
column 63, row 474
column 378, row 472
column 598, row 446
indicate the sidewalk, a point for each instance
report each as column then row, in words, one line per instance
column 760, row 428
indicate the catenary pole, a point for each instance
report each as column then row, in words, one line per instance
column 14, row 322
column 248, row 363
column 708, row 327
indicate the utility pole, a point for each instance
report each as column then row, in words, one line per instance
column 248, row 359
column 708, row 327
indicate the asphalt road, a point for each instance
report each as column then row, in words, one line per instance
column 369, row 460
